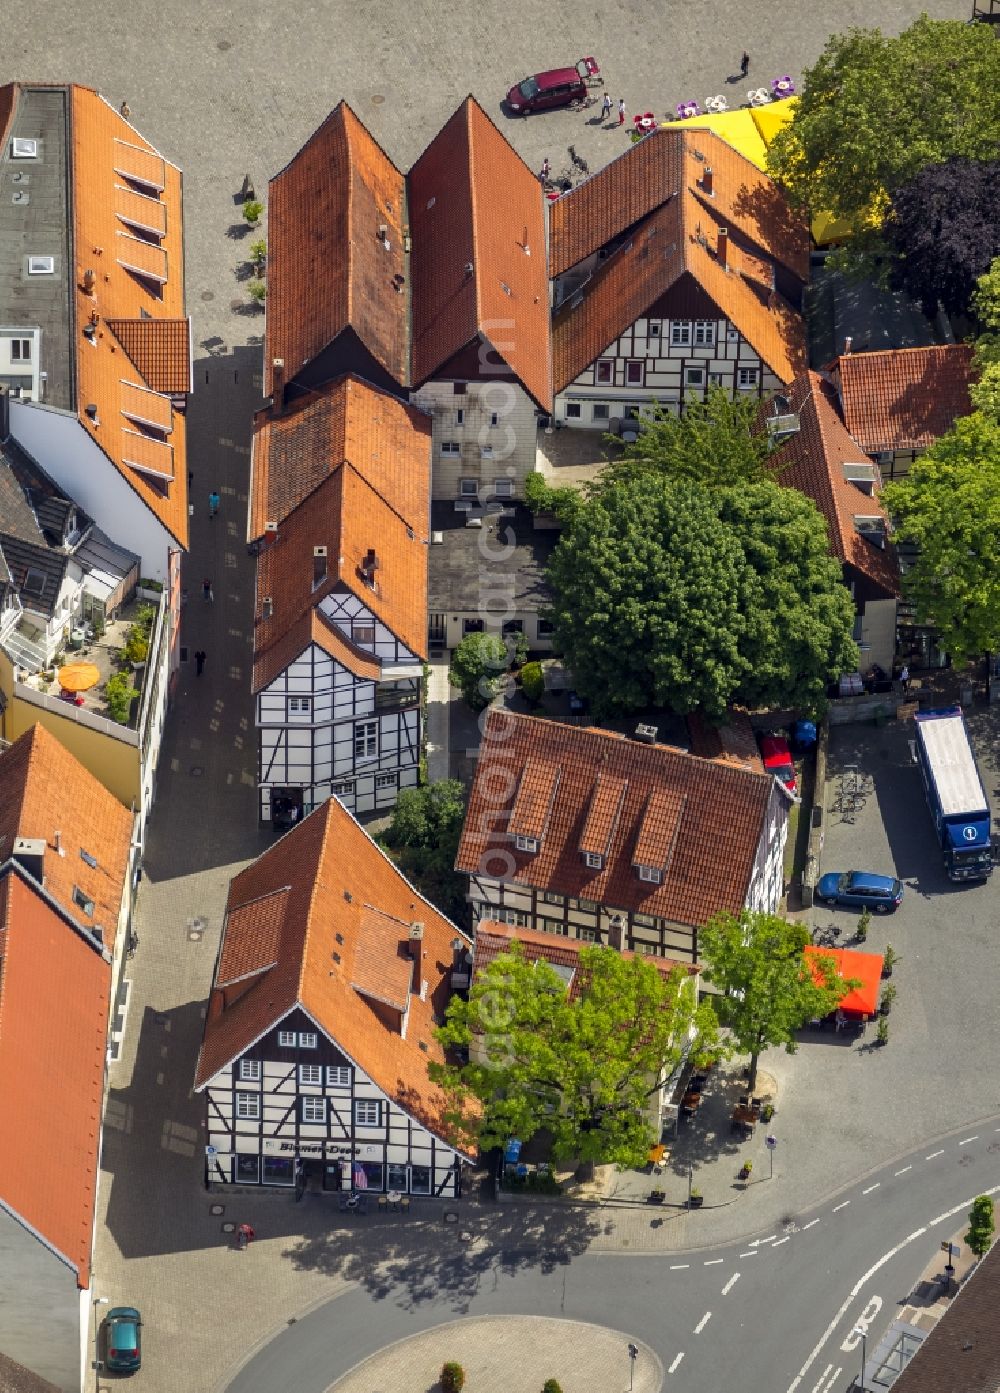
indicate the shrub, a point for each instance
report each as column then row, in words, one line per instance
column 888, row 997
column 883, row 1031
column 477, row 668
column 452, row 1377
column 551, row 1385
column 258, row 252
column 146, row 583
column 257, row 291
column 532, row 682
column 864, row 924
column 120, row 694
column 980, row 1234
column 136, row 648
column 252, row 211
column 889, row 960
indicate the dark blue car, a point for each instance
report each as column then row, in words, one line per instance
column 860, row 890
column 123, row 1340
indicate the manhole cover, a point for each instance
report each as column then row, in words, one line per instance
column 228, row 1227
column 216, row 1209
column 195, row 935
column 196, row 771
column 378, row 99
column 208, row 294
column 223, row 45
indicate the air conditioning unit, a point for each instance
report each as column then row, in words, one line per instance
column 437, row 538
column 22, row 149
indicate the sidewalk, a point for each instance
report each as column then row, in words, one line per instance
column 439, row 694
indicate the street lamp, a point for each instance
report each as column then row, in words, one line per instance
column 860, row 1330
column 633, row 1355
column 98, row 1362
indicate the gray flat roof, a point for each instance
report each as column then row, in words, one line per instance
column 35, row 221
column 471, row 563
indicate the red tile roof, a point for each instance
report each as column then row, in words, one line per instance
column 493, row 939
column 717, row 832
column 813, row 461
column 328, row 269
column 733, row 741
column 47, row 795
column 55, row 996
column 677, row 234
column 160, row 349
column 473, row 202
column 904, row 398
column 336, row 881
column 603, row 813
column 961, row 1353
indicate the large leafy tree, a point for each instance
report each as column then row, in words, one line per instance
column 944, row 229
column 714, row 443
column 798, row 615
column 875, row 110
column 477, row 667
column 769, row 991
column 949, row 506
column 646, row 599
column 985, row 391
column 581, row 1061
column 423, row 840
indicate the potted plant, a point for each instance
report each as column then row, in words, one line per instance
column 120, row 694
column 882, row 1035
column 864, row 924
column 252, row 211
column 767, row 1112
column 889, row 960
column 888, row 997
column 258, row 255
column 695, row 1199
column 551, row 1385
column 657, row 1196
column 149, row 589
column 452, row 1377
column 745, row 1170
column 257, row 291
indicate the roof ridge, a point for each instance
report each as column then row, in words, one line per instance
column 324, row 809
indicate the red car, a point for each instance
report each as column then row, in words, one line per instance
column 546, row 91
column 777, row 757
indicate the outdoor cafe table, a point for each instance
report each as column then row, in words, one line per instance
column 744, row 1116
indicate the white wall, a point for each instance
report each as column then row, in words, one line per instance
column 512, row 439
column 39, row 1307
column 767, row 878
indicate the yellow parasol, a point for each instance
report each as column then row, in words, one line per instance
column 78, row 677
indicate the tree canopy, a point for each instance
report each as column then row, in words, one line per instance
column 757, row 962
column 944, row 229
column 985, row 392
column 423, row 838
column 949, row 506
column 670, row 594
column 582, row 1062
column 979, row 1236
column 713, row 443
column 876, row 109
column 477, row 667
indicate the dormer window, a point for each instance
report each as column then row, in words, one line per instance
column 529, row 844
column 652, row 875
column 593, row 860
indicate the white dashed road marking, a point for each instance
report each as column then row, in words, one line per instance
column 677, row 1266
column 677, row 1360
column 703, row 1322
column 752, row 1254
column 714, row 1262
column 933, row 1154
column 780, row 1241
column 904, row 1170
column 730, row 1284
column 809, row 1225
column 967, row 1140
column 871, row 1188
column 840, row 1206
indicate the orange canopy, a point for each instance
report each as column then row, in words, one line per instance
column 865, row 967
column 78, row 677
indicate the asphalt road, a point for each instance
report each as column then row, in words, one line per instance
column 772, row 1315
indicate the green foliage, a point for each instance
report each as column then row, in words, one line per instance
column 541, row 497
column 864, row 924
column 533, row 682
column 120, row 694
column 714, row 444
column 551, row 1386
column 98, row 625
column 423, row 837
column 980, row 1234
column 477, row 668
column 756, row 960
column 882, row 1031
column 520, row 653
column 874, row 110
column 949, row 506
column 889, row 960
column 258, row 251
column 136, row 648
column 583, row 1067
column 888, row 997
column 452, row 1377
column 146, row 583
column 252, row 211
column 257, row 291
column 671, row 594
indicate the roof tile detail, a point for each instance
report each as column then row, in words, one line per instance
column 253, row 945
column 717, row 840
column 140, row 164
column 659, row 829
column 602, row 815
column 383, row 967
column 338, row 880
column 904, row 398
column 144, row 258
column 160, row 350
column 529, row 816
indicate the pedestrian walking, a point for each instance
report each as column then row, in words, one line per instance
column 621, row 112
column 245, row 1234
column 606, row 106
column 213, row 503
column 206, row 591
column 904, row 677
column 744, row 64
column 125, row 110
column 546, row 170
column 199, row 659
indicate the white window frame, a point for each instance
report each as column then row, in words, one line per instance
column 344, row 789
column 83, row 901
column 704, row 333
column 594, row 860
column 247, row 1106
column 680, row 333
column 694, row 377
column 608, row 366
column 653, row 330
column 732, row 333
column 715, row 379
column 503, row 488
column 363, row 632
column 338, row 1075
column 573, row 410
column 313, row 1110
column 287, row 1039
column 601, row 411
column 635, row 364
column 468, row 488
column 460, row 416
column 451, row 448
column 747, row 379
column 20, row 350
column 526, row 843
column 362, row 1116
column 550, row 897
column 494, row 419
column 365, row 740
column 587, row 935
column 300, row 705
column 311, row 1074
column 250, row 1071
column 385, row 780
column 308, row 1040
column 652, row 875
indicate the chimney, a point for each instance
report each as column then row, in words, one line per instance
column 270, row 536
column 706, row 182
column 847, row 344
column 91, row 410
column 29, row 852
column 319, row 566
column 266, row 607
column 369, row 566
column 416, row 939
column 57, row 843
column 616, row 933
column 277, row 385
column 4, row 416
column 89, row 282
column 722, row 250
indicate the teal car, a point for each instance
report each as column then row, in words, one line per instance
column 123, row 1340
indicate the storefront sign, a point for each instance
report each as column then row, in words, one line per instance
column 277, row 1146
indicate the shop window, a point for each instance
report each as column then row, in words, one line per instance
column 247, row 1170
column 372, row 1171
column 420, row 1180
column 395, row 1176
column 278, row 1170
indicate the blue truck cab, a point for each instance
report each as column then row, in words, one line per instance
column 955, row 794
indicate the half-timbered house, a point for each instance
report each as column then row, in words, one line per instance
column 340, row 503
column 332, row 974
column 587, row 834
column 676, row 268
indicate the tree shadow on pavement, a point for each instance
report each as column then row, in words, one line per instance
column 422, row 1259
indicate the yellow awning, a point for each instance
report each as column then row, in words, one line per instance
column 770, row 119
column 736, row 128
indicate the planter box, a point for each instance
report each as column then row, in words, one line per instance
column 656, row 1197
column 144, row 594
column 696, row 1201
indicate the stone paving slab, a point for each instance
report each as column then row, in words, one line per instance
column 505, row 1352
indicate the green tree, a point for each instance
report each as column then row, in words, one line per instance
column 646, row 599
column 798, row 614
column 980, row 1234
column 949, row 506
column 477, row 668
column 423, row 840
column 875, row 110
column 582, row 1062
column 769, row 992
column 985, row 392
column 714, row 443
column 542, row 497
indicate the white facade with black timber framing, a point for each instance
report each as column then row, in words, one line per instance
column 294, row 1096
column 326, row 730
